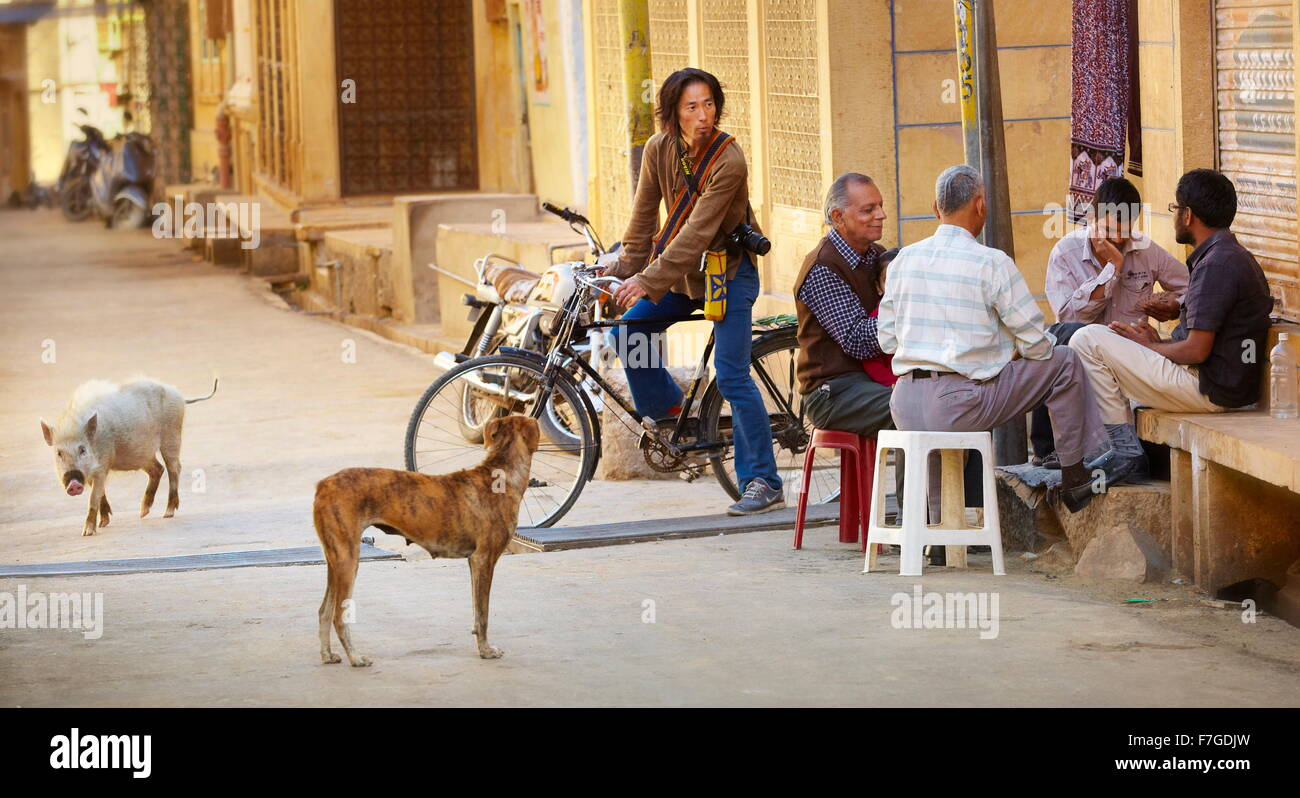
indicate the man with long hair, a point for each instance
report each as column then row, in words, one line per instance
column 699, row 173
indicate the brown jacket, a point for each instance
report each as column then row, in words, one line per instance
column 722, row 204
column 820, row 357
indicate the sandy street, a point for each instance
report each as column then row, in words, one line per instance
column 289, row 410
column 737, row 620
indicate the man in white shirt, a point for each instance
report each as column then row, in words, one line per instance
column 970, row 346
column 1106, row 272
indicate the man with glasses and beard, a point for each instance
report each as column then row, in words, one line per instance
column 1213, row 360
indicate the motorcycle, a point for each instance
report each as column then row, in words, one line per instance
column 80, row 163
column 515, row 307
column 112, row 179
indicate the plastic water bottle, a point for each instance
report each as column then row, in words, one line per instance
column 1283, row 388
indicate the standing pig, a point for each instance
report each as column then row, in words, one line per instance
column 110, row 428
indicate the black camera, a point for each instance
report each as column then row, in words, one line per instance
column 746, row 237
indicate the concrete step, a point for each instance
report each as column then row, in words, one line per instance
column 304, row 555
column 581, row 537
column 314, row 223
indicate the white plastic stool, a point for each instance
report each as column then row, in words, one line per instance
column 915, row 534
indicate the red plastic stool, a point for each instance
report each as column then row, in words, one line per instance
column 857, row 472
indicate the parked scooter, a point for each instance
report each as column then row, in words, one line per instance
column 121, row 184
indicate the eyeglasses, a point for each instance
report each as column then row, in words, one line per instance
column 1174, row 207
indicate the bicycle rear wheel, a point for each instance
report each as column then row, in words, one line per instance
column 435, row 443
column 773, row 371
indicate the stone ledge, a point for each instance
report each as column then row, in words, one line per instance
column 1031, row 522
column 1250, row 442
column 1123, row 552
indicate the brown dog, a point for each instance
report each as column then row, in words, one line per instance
column 469, row 513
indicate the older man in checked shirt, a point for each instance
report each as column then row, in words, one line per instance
column 834, row 294
column 971, row 350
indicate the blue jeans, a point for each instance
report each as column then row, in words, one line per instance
column 654, row 392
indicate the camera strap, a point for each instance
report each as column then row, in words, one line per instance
column 685, row 199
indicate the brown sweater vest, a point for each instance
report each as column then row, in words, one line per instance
column 820, row 357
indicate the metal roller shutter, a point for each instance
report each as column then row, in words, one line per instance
column 1255, row 101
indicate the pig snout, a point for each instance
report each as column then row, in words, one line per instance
column 74, row 482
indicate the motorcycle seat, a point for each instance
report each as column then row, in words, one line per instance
column 512, row 283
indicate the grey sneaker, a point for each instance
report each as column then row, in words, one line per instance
column 758, row 498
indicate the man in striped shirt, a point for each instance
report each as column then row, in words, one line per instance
column 970, row 347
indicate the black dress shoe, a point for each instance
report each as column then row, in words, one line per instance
column 1077, row 497
column 1052, row 461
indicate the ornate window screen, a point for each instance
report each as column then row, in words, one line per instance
column 413, row 126
column 670, row 48
column 170, row 101
column 793, row 111
column 724, row 51
column 1255, row 93
column 136, row 33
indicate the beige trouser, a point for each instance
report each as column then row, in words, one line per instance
column 1120, row 370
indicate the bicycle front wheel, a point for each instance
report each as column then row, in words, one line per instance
column 772, row 367
column 436, row 444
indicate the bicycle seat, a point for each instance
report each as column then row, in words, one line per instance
column 512, row 283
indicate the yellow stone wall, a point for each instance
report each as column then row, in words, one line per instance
column 209, row 72
column 1034, row 64
column 548, row 157
column 503, row 161
column 549, row 117
column 15, row 164
column 876, row 80
column 48, row 137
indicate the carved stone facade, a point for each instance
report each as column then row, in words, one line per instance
column 171, row 95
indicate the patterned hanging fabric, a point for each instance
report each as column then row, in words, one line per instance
column 170, row 112
column 1105, row 104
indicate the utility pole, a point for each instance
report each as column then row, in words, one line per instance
column 982, row 133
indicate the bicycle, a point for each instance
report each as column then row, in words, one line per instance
column 518, row 381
